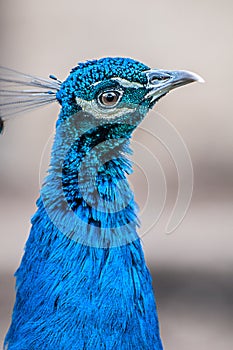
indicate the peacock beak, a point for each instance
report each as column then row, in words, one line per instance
column 160, row 82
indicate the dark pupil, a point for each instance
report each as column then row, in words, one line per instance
column 109, row 98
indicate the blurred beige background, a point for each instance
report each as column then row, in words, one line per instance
column 192, row 267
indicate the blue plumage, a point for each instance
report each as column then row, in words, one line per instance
column 83, row 282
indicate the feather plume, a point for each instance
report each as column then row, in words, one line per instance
column 21, row 92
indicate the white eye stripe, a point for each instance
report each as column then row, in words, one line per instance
column 123, row 82
column 127, row 84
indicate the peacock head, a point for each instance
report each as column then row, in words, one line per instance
column 119, row 90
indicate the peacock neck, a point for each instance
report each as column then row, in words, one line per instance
column 100, row 297
column 86, row 194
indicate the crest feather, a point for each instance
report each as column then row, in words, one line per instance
column 21, row 92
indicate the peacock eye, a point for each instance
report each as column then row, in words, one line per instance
column 109, row 98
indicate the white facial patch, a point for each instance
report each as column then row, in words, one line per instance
column 92, row 107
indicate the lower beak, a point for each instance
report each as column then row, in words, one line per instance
column 160, row 82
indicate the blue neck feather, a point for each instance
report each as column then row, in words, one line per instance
column 83, row 282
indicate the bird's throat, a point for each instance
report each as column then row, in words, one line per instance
column 90, row 193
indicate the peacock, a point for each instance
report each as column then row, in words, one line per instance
column 83, row 282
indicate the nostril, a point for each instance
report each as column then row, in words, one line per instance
column 158, row 78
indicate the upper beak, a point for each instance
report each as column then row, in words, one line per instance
column 160, row 82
